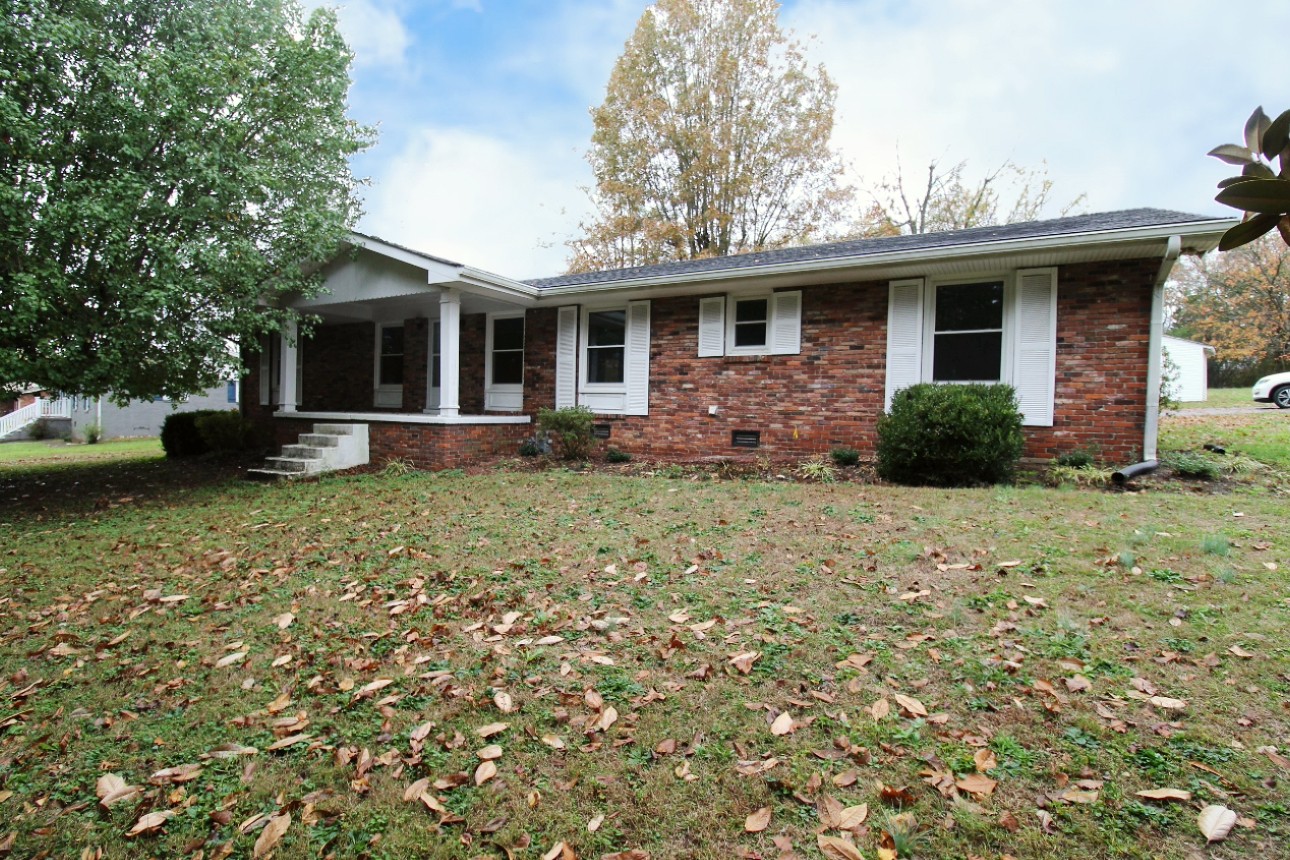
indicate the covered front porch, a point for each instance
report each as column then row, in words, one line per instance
column 431, row 355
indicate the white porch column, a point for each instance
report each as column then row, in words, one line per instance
column 287, row 368
column 449, row 352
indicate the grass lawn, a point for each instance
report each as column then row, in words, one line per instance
column 1221, row 398
column 459, row 666
column 1263, row 435
column 21, row 454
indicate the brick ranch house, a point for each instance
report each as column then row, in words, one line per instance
column 791, row 351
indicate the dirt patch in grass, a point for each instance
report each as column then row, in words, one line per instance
column 656, row 659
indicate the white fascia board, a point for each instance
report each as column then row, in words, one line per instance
column 483, row 283
column 435, row 267
column 1204, row 236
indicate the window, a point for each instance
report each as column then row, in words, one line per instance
column 504, row 363
column 435, row 355
column 391, row 361
column 606, row 347
column 232, row 391
column 751, row 321
column 767, row 324
column 508, row 351
column 1001, row 329
column 967, row 333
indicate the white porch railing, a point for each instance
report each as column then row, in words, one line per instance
column 33, row 412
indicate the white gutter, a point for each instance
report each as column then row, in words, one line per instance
column 1151, row 431
column 1212, row 228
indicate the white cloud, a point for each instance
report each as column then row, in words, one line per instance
column 494, row 203
column 374, row 32
column 1121, row 99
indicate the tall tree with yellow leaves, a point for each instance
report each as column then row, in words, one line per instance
column 713, row 139
column 1239, row 303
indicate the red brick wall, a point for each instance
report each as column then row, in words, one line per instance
column 539, row 360
column 417, row 344
column 337, row 368
column 427, row 446
column 832, row 393
column 472, row 364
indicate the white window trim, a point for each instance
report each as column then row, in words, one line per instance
column 729, row 302
column 584, row 337
column 732, row 301
column 1009, row 280
column 386, row 396
column 506, row 397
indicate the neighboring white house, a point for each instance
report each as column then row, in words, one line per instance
column 145, row 417
column 1192, row 385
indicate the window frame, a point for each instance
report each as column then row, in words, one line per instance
column 504, row 396
column 1006, row 332
column 386, row 395
column 584, row 343
column 732, row 316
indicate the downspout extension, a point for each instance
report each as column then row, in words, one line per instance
column 1151, row 429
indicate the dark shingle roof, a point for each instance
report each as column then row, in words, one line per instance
column 859, row 248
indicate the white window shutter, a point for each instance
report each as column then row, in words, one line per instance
column 1034, row 369
column 637, row 375
column 712, row 327
column 904, row 336
column 266, row 371
column 786, row 323
column 566, row 357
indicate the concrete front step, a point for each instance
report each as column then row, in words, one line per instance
column 328, row 448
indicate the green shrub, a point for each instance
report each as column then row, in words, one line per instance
column 39, row 430
column 817, row 469
column 93, row 433
column 1075, row 459
column 569, row 429
column 950, row 435
column 1190, row 465
column 223, row 431
column 614, row 455
column 530, row 447
column 844, row 455
column 179, row 434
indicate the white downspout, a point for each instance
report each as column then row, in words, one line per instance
column 1154, row 348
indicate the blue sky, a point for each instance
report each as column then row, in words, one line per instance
column 482, row 105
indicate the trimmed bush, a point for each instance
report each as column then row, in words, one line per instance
column 1075, row 459
column 950, row 435
column 223, row 431
column 845, row 455
column 615, row 455
column 569, row 429
column 93, row 433
column 180, row 436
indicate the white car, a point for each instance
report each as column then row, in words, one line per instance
column 1273, row 389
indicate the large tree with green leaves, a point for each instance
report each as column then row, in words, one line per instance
column 713, row 139
column 168, row 170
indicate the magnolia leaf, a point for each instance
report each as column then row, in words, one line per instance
column 836, row 848
column 758, row 821
column 782, row 725
column 607, row 719
column 284, row 620
column 230, row 659
column 269, row 836
column 910, row 706
column 559, row 851
column 153, row 820
column 1277, row 135
column 977, row 784
column 486, row 771
column 1257, row 195
column 182, row 773
column 416, row 789
column 1164, row 794
column 492, row 729
column 984, row 760
column 852, row 817
column 1247, row 231
column 492, row 752
column 879, row 709
column 503, row 702
column 1232, row 154
column 1215, row 822
column 112, row 789
column 1255, row 127
column 594, row 824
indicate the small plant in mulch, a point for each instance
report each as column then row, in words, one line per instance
column 844, row 456
column 817, row 470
